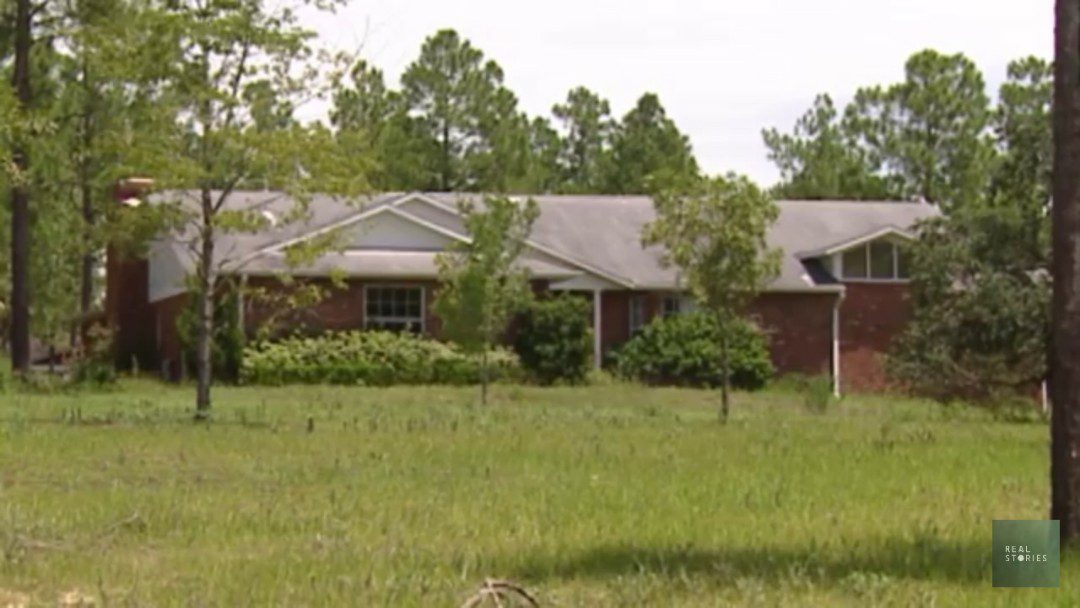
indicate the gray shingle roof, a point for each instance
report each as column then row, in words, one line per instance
column 594, row 234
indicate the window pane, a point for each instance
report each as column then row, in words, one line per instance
column 881, row 260
column 413, row 309
column 371, row 306
column 671, row 305
column 855, row 263
column 901, row 263
column 637, row 312
column 399, row 302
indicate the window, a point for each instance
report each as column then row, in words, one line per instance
column 901, row 263
column 879, row 260
column 637, row 313
column 676, row 304
column 394, row 308
column 855, row 263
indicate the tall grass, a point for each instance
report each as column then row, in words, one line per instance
column 611, row 495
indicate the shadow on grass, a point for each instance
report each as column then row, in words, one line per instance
column 918, row 559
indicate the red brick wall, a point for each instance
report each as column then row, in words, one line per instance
column 871, row 315
column 341, row 309
column 167, row 336
column 127, row 310
column 799, row 327
column 615, row 311
column 614, row 318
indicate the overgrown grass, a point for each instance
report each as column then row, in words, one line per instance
column 611, row 495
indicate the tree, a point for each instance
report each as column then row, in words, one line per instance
column 713, row 230
column 929, row 132
column 818, row 160
column 462, row 105
column 586, row 121
column 980, row 309
column 1022, row 177
column 501, row 158
column 483, row 285
column 20, row 194
column 648, row 150
column 544, row 173
column 1064, row 351
column 373, row 123
column 239, row 70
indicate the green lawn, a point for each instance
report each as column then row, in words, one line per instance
column 603, row 496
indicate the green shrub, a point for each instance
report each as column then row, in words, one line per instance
column 374, row 358
column 554, row 340
column 684, row 350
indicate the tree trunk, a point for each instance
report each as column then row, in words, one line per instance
column 484, row 375
column 725, row 384
column 205, row 305
column 20, row 200
column 86, row 279
column 1065, row 314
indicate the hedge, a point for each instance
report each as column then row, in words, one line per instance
column 684, row 350
column 373, row 358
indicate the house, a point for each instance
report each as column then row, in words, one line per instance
column 840, row 297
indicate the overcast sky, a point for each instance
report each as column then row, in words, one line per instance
column 724, row 69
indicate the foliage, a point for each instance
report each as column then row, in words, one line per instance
column 374, row 358
column 238, row 71
column 925, row 137
column 685, row 350
column 981, row 306
column 818, row 161
column 1021, row 181
column 93, row 70
column 585, row 117
column 928, row 132
column 455, row 126
column 373, row 122
column 481, row 137
column 554, row 340
column 482, row 282
column 648, row 151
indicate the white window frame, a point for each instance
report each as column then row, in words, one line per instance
column 392, row 319
column 838, row 264
column 637, row 321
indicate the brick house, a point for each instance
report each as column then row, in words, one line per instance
column 838, row 301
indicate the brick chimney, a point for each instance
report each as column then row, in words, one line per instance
column 127, row 308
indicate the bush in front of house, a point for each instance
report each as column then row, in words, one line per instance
column 684, row 350
column 372, row 358
column 554, row 340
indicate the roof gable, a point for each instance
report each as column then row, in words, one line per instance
column 885, row 232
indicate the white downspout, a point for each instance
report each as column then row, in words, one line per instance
column 836, row 345
column 240, row 305
column 596, row 328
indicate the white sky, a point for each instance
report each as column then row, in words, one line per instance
column 724, row 69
